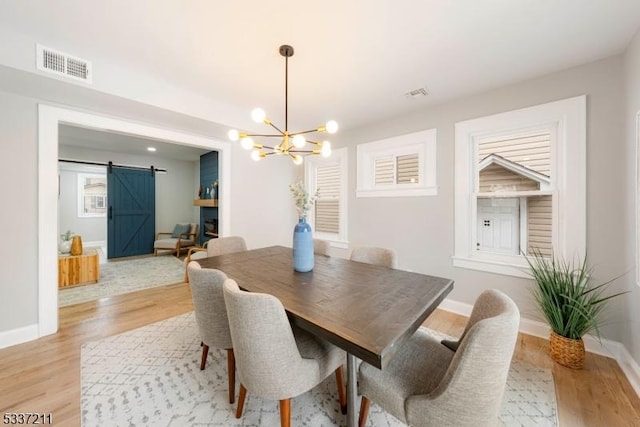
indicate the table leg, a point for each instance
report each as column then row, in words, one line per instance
column 352, row 391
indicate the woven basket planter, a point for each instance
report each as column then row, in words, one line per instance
column 567, row 352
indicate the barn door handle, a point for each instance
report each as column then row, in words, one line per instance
column 110, row 212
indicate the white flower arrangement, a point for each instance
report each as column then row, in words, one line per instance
column 302, row 199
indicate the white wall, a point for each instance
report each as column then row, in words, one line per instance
column 421, row 229
column 18, row 263
column 629, row 215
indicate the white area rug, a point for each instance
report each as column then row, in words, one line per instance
column 151, row 376
column 121, row 277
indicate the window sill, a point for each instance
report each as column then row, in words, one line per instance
column 394, row 192
column 342, row 244
column 513, row 268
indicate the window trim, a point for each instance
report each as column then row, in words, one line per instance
column 423, row 143
column 81, row 177
column 637, row 202
column 338, row 240
column 566, row 119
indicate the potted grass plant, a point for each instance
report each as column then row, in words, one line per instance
column 569, row 302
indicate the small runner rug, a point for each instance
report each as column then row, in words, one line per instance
column 151, row 376
column 121, row 277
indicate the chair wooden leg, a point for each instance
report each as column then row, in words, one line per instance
column 341, row 393
column 241, row 397
column 205, row 352
column 364, row 411
column 231, row 372
column 155, row 252
column 285, row 413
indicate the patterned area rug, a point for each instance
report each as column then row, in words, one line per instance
column 121, row 277
column 151, row 376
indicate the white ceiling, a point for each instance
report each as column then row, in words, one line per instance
column 119, row 143
column 354, row 60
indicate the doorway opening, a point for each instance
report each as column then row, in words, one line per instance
column 49, row 119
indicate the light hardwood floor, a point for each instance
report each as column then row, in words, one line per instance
column 44, row 375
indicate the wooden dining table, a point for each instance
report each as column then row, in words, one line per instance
column 367, row 310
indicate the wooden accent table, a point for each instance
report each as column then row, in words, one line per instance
column 367, row 310
column 78, row 269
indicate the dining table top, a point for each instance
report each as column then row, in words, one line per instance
column 365, row 309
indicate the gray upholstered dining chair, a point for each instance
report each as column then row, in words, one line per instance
column 215, row 247
column 434, row 383
column 275, row 360
column 211, row 316
column 320, row 247
column 373, row 255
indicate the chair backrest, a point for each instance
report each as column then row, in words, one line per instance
column 373, row 255
column 267, row 357
column 194, row 231
column 471, row 390
column 226, row 245
column 208, row 303
column 320, row 247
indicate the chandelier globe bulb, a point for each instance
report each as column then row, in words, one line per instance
column 332, row 126
column 325, row 151
column 247, row 143
column 256, row 155
column 299, row 141
column 233, row 134
column 258, row 115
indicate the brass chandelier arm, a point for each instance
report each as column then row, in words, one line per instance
column 264, row 135
column 314, row 142
column 305, row 131
column 276, row 128
column 301, row 151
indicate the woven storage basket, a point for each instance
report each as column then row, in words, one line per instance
column 567, row 352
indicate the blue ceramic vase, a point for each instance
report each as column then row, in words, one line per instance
column 302, row 246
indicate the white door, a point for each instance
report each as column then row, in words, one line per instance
column 499, row 226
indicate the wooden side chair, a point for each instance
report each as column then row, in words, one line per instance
column 434, row 383
column 215, row 247
column 320, row 247
column 372, row 255
column 275, row 360
column 211, row 317
column 182, row 237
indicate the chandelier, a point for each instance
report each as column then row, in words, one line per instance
column 290, row 144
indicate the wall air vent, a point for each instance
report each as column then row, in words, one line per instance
column 62, row 64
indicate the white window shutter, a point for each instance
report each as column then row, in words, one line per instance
column 408, row 169
column 327, row 207
column 384, row 171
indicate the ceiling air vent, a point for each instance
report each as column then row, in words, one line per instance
column 62, row 64
column 417, row 93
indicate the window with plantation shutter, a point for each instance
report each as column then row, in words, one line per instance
column 329, row 216
column 327, row 211
column 400, row 166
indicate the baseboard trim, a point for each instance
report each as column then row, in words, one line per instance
column 18, row 335
column 603, row 347
column 97, row 243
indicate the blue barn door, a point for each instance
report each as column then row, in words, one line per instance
column 131, row 223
